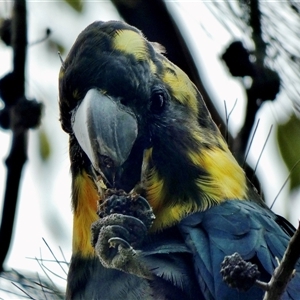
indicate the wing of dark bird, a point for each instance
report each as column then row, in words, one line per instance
column 236, row 226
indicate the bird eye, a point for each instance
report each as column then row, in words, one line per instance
column 157, row 102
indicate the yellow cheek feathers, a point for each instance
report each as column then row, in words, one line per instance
column 183, row 90
column 84, row 214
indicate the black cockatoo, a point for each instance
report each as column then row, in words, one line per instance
column 158, row 198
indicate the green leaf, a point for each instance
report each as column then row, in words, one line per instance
column 44, row 145
column 288, row 136
column 76, row 4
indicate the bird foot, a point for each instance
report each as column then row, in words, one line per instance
column 124, row 222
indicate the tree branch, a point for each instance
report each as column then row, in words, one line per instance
column 17, row 156
column 284, row 272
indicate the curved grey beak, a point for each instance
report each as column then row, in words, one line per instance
column 106, row 131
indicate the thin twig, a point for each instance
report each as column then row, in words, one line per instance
column 227, row 117
column 285, row 271
column 285, row 182
column 262, row 150
column 54, row 256
column 250, row 143
column 23, row 291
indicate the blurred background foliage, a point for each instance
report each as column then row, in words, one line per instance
column 245, row 54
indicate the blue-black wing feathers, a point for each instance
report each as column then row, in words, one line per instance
column 236, row 226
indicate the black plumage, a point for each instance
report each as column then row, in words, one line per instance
column 139, row 127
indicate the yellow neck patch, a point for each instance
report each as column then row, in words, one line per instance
column 225, row 180
column 84, row 214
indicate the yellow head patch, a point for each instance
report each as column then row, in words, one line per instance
column 131, row 42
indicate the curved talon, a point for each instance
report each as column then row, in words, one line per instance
column 118, row 219
column 115, row 230
column 118, row 202
column 143, row 202
column 115, row 241
column 127, row 228
column 135, row 220
column 123, row 220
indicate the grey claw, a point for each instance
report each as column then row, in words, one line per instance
column 143, row 202
column 115, row 241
